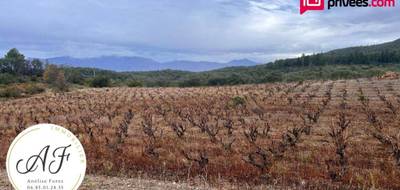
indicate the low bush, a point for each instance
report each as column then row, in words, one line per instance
column 134, row 83
column 6, row 78
column 237, row 101
column 100, row 82
column 10, row 92
column 32, row 89
column 191, row 83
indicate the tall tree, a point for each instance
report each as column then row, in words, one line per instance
column 50, row 74
column 15, row 62
column 3, row 66
column 60, row 84
column 36, row 67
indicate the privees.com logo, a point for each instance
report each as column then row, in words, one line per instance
column 46, row 157
column 315, row 5
column 307, row 5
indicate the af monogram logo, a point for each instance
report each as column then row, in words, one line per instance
column 46, row 156
column 306, row 5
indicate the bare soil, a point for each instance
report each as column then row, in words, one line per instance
column 117, row 183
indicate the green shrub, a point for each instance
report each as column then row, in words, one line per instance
column 10, row 92
column 191, row 83
column 6, row 78
column 100, row 82
column 273, row 77
column 237, row 101
column 74, row 77
column 32, row 89
column 232, row 79
column 341, row 74
column 134, row 83
column 217, row 82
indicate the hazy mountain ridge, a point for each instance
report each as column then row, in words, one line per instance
column 139, row 64
column 123, row 64
column 346, row 63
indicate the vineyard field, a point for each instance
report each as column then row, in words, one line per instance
column 309, row 135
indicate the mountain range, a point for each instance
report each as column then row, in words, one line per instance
column 346, row 63
column 124, row 64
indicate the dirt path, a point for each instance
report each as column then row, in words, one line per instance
column 115, row 183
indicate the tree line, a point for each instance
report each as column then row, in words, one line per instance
column 15, row 63
column 346, row 64
column 353, row 58
column 20, row 76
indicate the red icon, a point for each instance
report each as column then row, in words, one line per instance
column 315, row 5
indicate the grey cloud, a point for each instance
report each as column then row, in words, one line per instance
column 218, row 30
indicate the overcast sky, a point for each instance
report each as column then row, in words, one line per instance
column 213, row 30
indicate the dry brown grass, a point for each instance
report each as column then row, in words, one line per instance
column 326, row 135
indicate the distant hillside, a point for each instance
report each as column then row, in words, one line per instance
column 389, row 46
column 353, row 62
column 241, row 62
column 347, row 63
column 123, row 64
column 113, row 63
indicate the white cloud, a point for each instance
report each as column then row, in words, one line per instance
column 207, row 29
